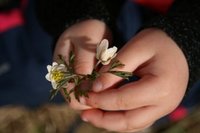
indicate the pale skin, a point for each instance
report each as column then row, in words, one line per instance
column 151, row 54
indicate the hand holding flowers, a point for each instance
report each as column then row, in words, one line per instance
column 135, row 105
column 61, row 73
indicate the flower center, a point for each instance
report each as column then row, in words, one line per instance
column 57, row 75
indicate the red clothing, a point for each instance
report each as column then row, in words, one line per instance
column 12, row 18
column 161, row 6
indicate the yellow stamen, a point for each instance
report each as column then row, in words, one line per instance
column 57, row 75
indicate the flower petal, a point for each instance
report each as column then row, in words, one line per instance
column 48, row 76
column 54, row 64
column 109, row 53
column 106, row 62
column 101, row 48
column 61, row 67
column 54, row 85
column 49, row 67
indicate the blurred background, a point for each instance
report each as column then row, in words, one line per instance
column 26, row 50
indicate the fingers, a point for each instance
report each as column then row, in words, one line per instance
column 84, row 58
column 129, row 96
column 84, row 51
column 132, row 56
column 83, row 64
column 120, row 121
column 63, row 48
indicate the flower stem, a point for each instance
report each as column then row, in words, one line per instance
column 97, row 65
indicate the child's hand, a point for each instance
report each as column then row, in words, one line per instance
column 82, row 38
column 163, row 72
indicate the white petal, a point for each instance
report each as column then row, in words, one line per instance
column 48, row 76
column 108, row 54
column 106, row 62
column 61, row 67
column 49, row 68
column 54, row 85
column 111, row 51
column 101, row 48
column 114, row 56
column 54, row 64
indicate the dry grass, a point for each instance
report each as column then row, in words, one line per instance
column 46, row 119
column 62, row 119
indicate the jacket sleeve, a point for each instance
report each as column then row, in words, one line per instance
column 57, row 15
column 182, row 24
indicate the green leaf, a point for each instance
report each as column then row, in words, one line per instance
column 71, row 62
column 122, row 74
column 115, row 64
column 53, row 93
column 71, row 91
column 62, row 83
column 94, row 75
column 80, row 92
column 77, row 80
column 61, row 60
column 77, row 93
column 71, row 58
column 67, row 94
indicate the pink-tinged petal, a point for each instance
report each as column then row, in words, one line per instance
column 101, row 48
column 54, row 64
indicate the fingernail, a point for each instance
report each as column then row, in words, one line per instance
column 84, row 119
column 97, row 86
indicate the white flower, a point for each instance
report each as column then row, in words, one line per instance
column 105, row 55
column 55, row 73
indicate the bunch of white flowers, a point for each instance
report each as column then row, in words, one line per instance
column 60, row 74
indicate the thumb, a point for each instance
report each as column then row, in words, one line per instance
column 132, row 56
